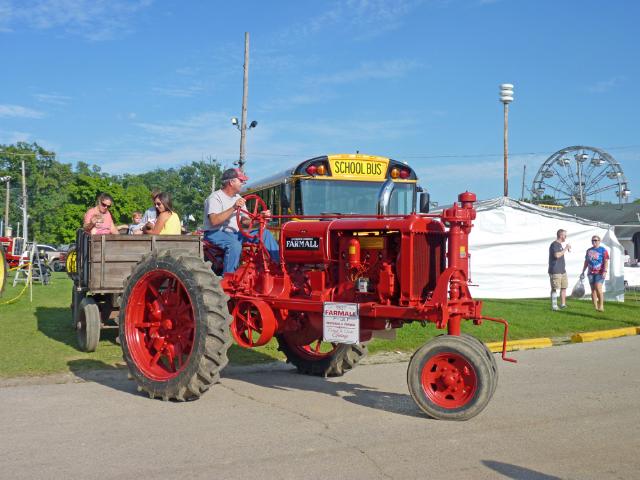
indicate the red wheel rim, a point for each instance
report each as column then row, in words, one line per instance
column 159, row 325
column 253, row 324
column 316, row 350
column 449, row 380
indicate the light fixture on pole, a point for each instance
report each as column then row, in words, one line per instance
column 506, row 97
column 242, row 126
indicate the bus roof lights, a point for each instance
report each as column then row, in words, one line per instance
column 312, row 169
column 395, row 173
column 404, row 174
column 321, row 169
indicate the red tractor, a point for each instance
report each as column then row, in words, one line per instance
column 340, row 281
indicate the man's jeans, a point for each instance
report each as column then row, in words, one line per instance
column 231, row 243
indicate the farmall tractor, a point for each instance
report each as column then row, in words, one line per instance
column 339, row 281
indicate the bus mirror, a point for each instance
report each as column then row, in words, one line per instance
column 424, row 202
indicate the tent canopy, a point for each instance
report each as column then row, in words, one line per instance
column 509, row 250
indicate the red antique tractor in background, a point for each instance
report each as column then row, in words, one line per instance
column 340, row 280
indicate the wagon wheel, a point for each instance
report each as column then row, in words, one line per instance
column 321, row 358
column 253, row 323
column 76, row 298
column 449, row 379
column 255, row 217
column 174, row 326
column 88, row 327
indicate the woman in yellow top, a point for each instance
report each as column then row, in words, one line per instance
column 167, row 221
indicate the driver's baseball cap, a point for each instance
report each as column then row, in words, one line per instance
column 232, row 173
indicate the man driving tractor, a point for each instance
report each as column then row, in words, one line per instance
column 221, row 225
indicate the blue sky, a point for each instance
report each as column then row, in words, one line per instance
column 134, row 85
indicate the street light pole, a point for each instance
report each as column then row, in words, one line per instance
column 506, row 97
column 6, row 206
column 25, row 230
column 245, row 94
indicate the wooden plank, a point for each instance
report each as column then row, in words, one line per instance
column 114, row 275
column 113, row 257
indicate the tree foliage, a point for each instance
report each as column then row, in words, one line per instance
column 59, row 194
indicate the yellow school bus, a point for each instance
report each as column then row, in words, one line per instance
column 340, row 184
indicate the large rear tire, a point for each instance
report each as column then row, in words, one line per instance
column 174, row 326
column 88, row 327
column 321, row 358
column 449, row 379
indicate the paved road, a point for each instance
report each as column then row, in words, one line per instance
column 570, row 412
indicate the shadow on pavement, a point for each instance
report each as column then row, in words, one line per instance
column 357, row 394
column 517, row 473
column 97, row 371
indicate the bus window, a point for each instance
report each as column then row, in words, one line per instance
column 352, row 197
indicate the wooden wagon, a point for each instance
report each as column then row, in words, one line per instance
column 103, row 264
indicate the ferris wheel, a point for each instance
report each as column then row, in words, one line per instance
column 577, row 176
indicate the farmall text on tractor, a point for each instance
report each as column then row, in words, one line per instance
column 340, row 281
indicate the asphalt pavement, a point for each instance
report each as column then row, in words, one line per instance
column 568, row 412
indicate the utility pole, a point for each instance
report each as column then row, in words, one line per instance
column 25, row 228
column 245, row 94
column 524, row 174
column 6, row 207
column 506, row 97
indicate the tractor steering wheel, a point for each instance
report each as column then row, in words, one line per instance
column 255, row 217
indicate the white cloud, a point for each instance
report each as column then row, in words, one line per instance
column 362, row 18
column 52, row 98
column 17, row 111
column 369, row 71
column 606, row 85
column 13, row 137
column 180, row 92
column 93, row 19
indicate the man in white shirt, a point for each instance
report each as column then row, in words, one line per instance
column 220, row 223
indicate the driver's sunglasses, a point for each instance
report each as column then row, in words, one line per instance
column 105, row 205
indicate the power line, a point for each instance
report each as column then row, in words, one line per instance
column 298, row 155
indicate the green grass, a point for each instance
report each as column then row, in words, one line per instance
column 37, row 338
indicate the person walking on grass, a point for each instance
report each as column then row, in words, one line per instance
column 557, row 271
column 597, row 261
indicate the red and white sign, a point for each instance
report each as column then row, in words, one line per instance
column 341, row 323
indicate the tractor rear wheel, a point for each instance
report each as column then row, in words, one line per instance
column 449, row 379
column 174, row 326
column 88, row 327
column 321, row 358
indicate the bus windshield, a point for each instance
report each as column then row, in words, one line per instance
column 353, row 197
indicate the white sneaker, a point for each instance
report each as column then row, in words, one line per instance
column 555, row 308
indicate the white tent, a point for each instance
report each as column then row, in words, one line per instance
column 509, row 250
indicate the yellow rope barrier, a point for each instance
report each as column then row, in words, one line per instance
column 15, row 299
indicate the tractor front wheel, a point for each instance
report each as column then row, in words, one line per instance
column 450, row 379
column 321, row 358
column 484, row 350
column 174, row 326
